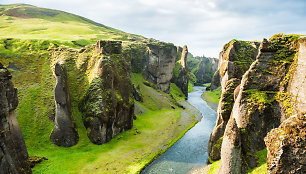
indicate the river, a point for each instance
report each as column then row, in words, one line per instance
column 190, row 151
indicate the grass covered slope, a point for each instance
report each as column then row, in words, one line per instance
column 29, row 52
column 29, row 22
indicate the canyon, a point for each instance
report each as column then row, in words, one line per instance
column 113, row 101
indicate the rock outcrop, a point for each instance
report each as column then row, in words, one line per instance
column 183, row 79
column 234, row 61
column 13, row 151
column 108, row 105
column 262, row 103
column 64, row 132
column 159, row 65
column 205, row 70
column 215, row 81
column 286, row 146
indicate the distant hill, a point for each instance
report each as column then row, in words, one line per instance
column 25, row 21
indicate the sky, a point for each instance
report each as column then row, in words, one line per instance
column 203, row 25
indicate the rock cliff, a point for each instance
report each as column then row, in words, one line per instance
column 287, row 146
column 262, row 101
column 234, row 61
column 64, row 132
column 108, row 104
column 215, row 81
column 159, row 65
column 13, row 151
column 205, row 70
column 183, row 79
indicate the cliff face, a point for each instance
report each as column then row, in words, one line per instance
column 234, row 61
column 183, row 79
column 216, row 80
column 108, row 105
column 159, row 65
column 64, row 132
column 13, row 151
column 262, row 101
column 205, row 70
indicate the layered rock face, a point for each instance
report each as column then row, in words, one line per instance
column 216, row 80
column 183, row 79
column 13, row 151
column 206, row 69
column 159, row 65
column 287, row 146
column 108, row 105
column 234, row 61
column 64, row 132
column 262, row 103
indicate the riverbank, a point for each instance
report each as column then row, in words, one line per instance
column 190, row 151
column 212, row 98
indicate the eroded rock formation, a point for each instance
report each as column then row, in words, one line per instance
column 286, row 146
column 234, row 61
column 13, row 151
column 263, row 101
column 216, row 80
column 206, row 70
column 183, row 79
column 108, row 105
column 64, row 132
column 160, row 62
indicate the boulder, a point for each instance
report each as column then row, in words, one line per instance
column 13, row 151
column 64, row 132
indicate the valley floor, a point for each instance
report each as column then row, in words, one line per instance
column 157, row 128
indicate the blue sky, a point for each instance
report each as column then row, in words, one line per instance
column 204, row 25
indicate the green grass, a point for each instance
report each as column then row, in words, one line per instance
column 207, row 84
column 215, row 167
column 262, row 163
column 41, row 23
column 260, row 169
column 212, row 96
column 190, row 87
column 128, row 152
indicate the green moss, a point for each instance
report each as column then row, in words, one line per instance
column 257, row 100
column 217, row 146
column 261, row 167
column 287, row 102
column 215, row 167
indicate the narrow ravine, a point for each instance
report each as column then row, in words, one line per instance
column 190, row 151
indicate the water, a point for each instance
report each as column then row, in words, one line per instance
column 190, row 151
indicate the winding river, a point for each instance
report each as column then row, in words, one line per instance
column 190, row 151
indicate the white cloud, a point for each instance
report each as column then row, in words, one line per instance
column 204, row 25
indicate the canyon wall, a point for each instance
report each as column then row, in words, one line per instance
column 13, row 151
column 234, row 61
column 271, row 94
column 205, row 70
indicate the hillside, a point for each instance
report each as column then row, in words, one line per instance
column 25, row 21
column 61, row 75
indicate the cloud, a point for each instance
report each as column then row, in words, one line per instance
column 204, row 25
